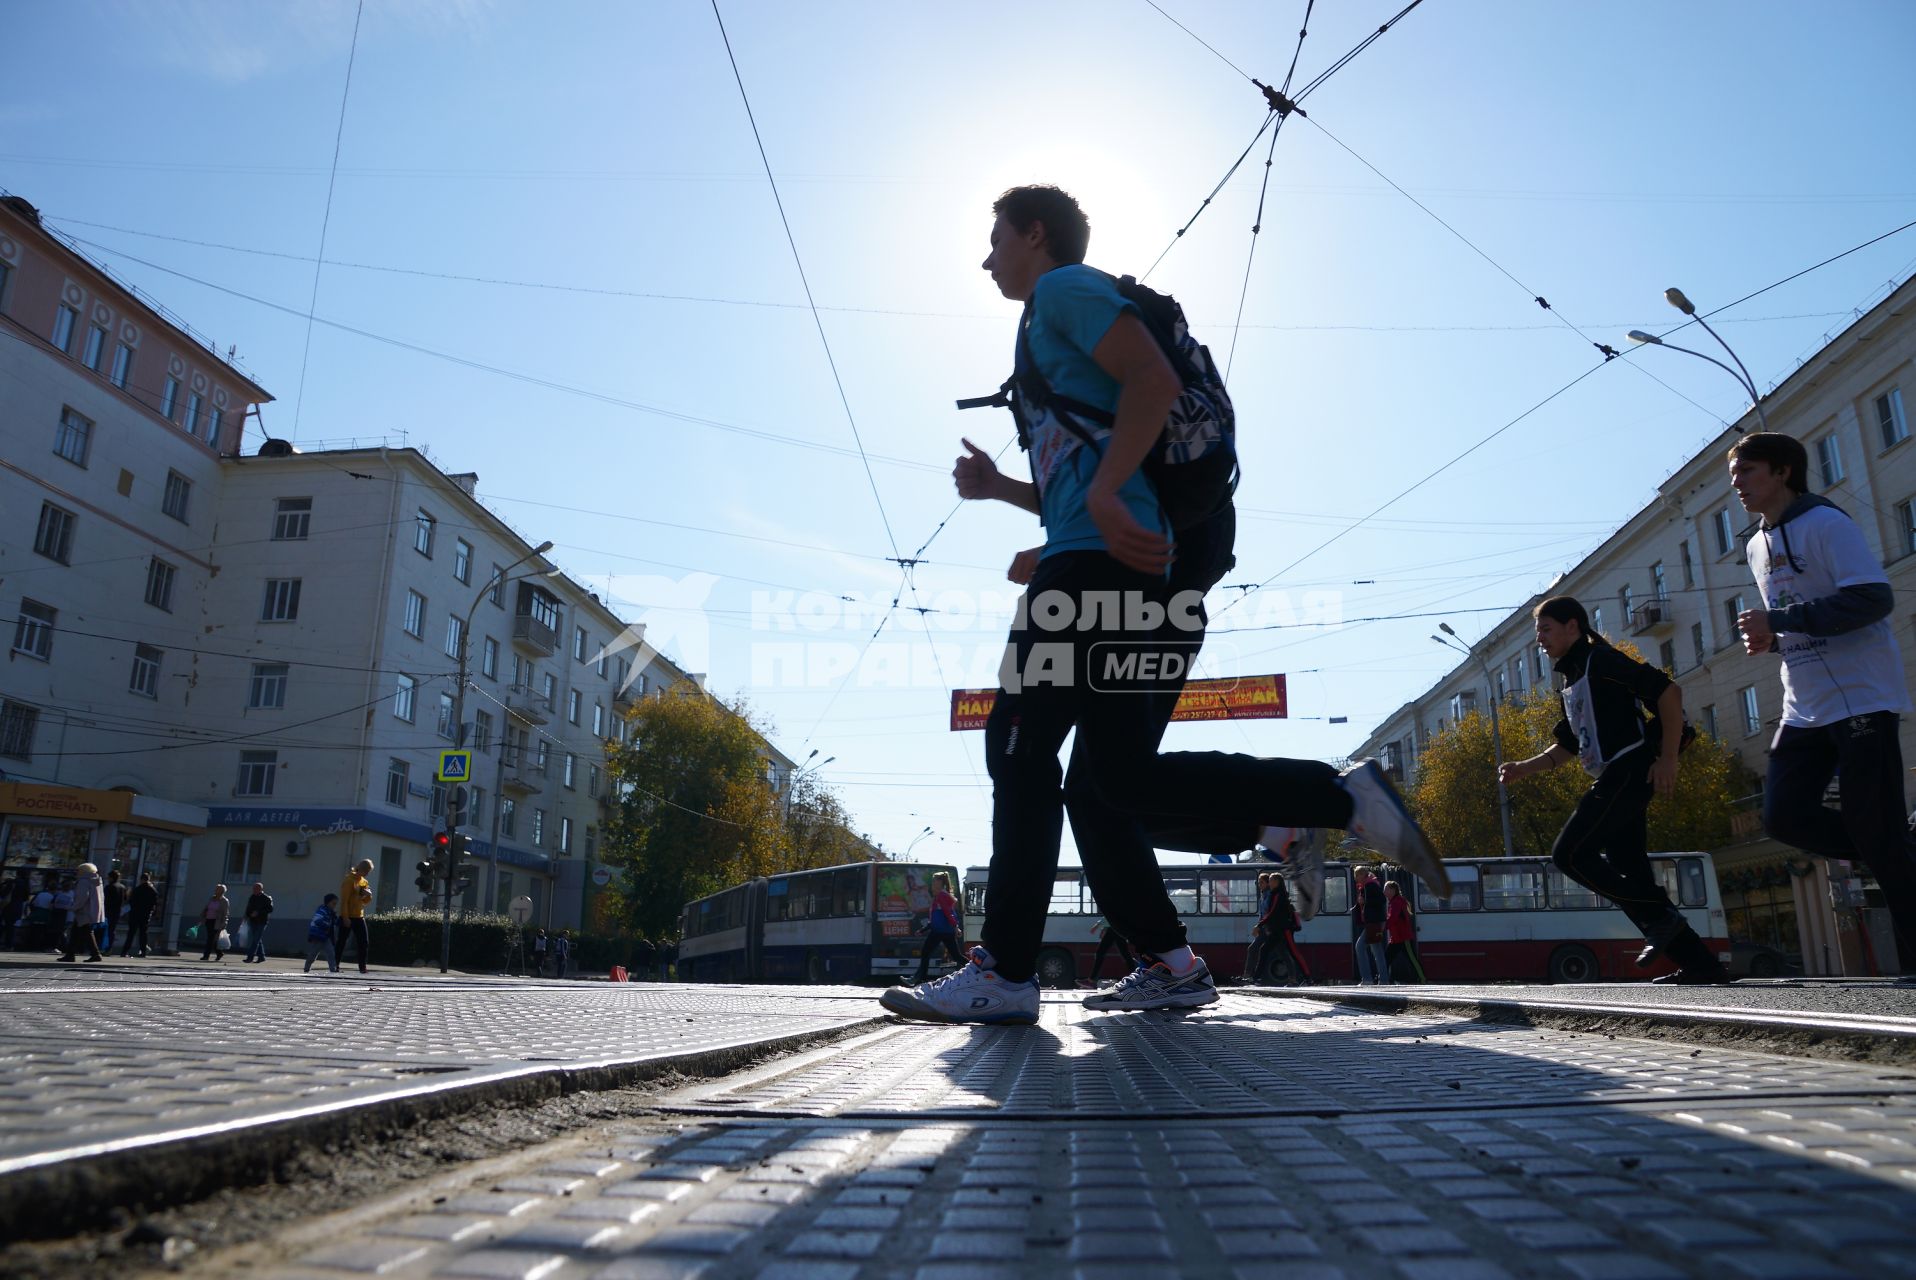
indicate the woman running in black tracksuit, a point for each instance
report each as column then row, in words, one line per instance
column 1604, row 846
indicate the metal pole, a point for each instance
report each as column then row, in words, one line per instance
column 498, row 798
column 458, row 736
column 1497, row 744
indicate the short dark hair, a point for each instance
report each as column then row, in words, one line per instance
column 1778, row 450
column 1564, row 609
column 331, row 897
column 1067, row 231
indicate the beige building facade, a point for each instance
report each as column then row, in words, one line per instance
column 1672, row 581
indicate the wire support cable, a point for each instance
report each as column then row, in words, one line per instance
column 326, row 218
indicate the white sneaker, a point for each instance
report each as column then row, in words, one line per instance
column 1154, row 986
column 973, row 994
column 1380, row 819
column 1304, row 871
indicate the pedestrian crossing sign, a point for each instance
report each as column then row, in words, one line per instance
column 454, row 766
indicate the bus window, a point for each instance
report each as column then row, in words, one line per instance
column 1513, row 888
column 1065, row 895
column 1693, row 891
column 1184, row 893
column 1337, row 893
column 975, row 899
column 1567, row 895
column 848, row 892
column 1230, row 896
column 1463, row 891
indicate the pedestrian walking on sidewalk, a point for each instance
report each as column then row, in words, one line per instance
column 1093, row 388
column 1826, row 608
column 561, row 952
column 355, row 895
column 1367, row 928
column 140, row 905
column 320, row 932
column 1604, row 847
column 943, row 927
column 1400, row 936
column 259, row 909
column 540, row 948
column 89, row 908
column 213, row 918
column 19, row 894
column 1260, row 928
column 115, row 894
column 1283, row 927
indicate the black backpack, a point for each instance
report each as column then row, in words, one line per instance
column 1194, row 466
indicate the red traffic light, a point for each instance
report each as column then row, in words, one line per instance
column 441, row 842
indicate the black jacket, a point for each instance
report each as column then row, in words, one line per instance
column 1618, row 684
column 143, row 899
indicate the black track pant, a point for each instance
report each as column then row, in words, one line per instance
column 1604, row 846
column 1871, row 824
column 355, row 929
column 931, row 945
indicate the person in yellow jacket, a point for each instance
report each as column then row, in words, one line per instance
column 355, row 895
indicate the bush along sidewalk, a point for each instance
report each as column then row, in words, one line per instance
column 410, row 935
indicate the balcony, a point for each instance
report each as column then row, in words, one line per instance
column 1652, row 617
column 523, row 776
column 534, row 637
column 529, row 705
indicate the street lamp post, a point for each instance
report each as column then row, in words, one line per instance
column 1676, row 298
column 915, row 839
column 459, row 739
column 1496, row 729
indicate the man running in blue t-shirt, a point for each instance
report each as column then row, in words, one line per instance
column 1099, row 638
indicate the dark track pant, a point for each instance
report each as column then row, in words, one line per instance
column 930, row 946
column 1605, row 845
column 355, row 930
column 1106, row 941
column 1063, row 677
column 1871, row 824
column 135, row 935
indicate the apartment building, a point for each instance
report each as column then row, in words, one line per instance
column 1673, row 579
column 233, row 667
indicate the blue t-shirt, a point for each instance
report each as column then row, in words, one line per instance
column 1072, row 308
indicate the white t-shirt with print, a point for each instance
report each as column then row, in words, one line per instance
column 1827, row 678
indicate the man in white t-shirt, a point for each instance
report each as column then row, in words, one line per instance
column 1826, row 601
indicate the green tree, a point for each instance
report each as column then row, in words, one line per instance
column 1455, row 792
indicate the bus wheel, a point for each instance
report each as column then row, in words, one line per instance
column 1279, row 971
column 1056, row 970
column 815, row 972
column 1573, row 964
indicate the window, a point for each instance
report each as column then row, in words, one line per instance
column 54, row 538
column 476, row 805
column 1889, row 417
column 415, row 623
column 1752, row 718
column 398, row 780
column 1725, row 532
column 1464, row 892
column 1666, row 653
column 508, row 817
column 245, row 860
column 422, row 533
column 402, row 698
column 489, row 658
column 541, row 755
column 598, row 719
column 292, row 519
column 169, row 398
column 269, row 686
column 601, row 665
column 33, row 630
column 572, row 706
column 122, row 366
column 256, row 772
column 592, row 851
column 159, row 584
column 592, row 781
column 1732, row 609
column 1596, row 620
column 6, row 274
column 539, row 827
column 179, row 492
column 282, row 600
column 1709, row 720
column 1658, row 587
column 548, row 688
column 1623, row 603
column 1689, row 567
column 565, row 835
column 1567, row 895
column 191, row 423
column 64, row 322
column 1512, row 888
column 17, row 722
column 482, row 731
column 1906, row 526
column 444, row 724
column 74, row 439
column 146, row 671
column 1696, row 641
column 214, row 421
column 568, row 773
column 436, row 802
column 578, row 643
column 497, row 591
column 95, row 349
column 462, row 560
column 1829, row 458
column 455, row 635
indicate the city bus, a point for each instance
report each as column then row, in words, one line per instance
column 855, row 923
column 1506, row 919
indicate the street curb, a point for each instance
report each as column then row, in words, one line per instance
column 1848, row 1038
column 65, row 1192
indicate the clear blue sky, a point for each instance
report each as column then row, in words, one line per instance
column 1598, row 152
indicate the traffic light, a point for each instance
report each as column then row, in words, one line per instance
column 425, row 877
column 456, row 808
column 459, row 862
